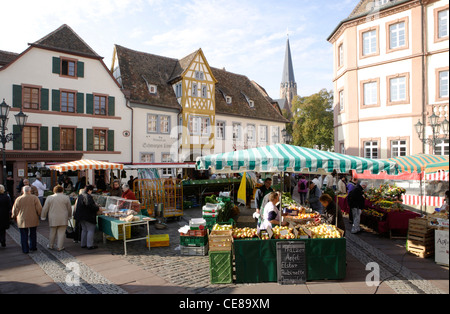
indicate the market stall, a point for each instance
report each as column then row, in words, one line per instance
column 324, row 256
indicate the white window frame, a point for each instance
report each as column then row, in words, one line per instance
column 341, row 100
column 166, row 128
column 220, row 130
column 397, row 86
column 194, row 90
column 199, row 125
column 397, row 31
column 341, row 55
column 275, row 134
column 251, row 133
column 149, row 116
column 179, row 90
column 199, row 75
column 442, row 147
column 237, row 131
column 151, row 155
column 443, row 84
column 370, row 90
column 229, row 100
column 369, row 43
column 372, row 146
column 442, row 23
column 398, row 148
column 204, row 91
column 263, row 133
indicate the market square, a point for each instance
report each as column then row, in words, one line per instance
column 175, row 171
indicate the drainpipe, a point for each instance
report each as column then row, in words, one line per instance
column 127, row 103
column 424, row 68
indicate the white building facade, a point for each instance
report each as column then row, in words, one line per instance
column 390, row 71
column 75, row 107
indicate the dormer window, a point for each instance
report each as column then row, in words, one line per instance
column 251, row 103
column 153, row 89
column 229, row 100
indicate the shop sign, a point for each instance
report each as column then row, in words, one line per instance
column 291, row 262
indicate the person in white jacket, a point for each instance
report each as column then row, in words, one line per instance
column 41, row 187
column 58, row 209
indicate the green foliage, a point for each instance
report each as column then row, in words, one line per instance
column 313, row 121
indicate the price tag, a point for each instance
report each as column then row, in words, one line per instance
column 284, row 232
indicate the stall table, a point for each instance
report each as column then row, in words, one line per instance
column 112, row 226
column 256, row 260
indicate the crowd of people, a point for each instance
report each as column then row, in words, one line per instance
column 313, row 194
column 30, row 207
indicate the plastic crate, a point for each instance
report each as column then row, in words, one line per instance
column 194, row 250
column 221, row 267
column 210, row 222
column 127, row 234
column 193, row 241
column 158, row 240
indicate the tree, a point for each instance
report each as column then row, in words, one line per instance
column 313, row 121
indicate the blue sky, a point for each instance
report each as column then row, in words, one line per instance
column 244, row 36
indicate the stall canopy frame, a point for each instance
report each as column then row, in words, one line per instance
column 86, row 164
column 293, row 159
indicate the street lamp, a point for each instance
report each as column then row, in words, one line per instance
column 436, row 128
column 286, row 136
column 21, row 120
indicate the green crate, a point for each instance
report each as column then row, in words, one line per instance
column 210, row 222
column 193, row 241
column 221, row 267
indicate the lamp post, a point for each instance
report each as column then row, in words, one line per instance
column 436, row 128
column 21, row 120
column 287, row 138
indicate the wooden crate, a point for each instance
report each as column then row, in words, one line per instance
column 418, row 225
column 221, row 240
column 421, row 250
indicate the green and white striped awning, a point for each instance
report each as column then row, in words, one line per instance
column 288, row 158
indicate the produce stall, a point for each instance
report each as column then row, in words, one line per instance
column 324, row 249
column 119, row 217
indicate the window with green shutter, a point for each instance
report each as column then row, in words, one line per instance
column 17, row 143
column 111, row 106
column 80, row 103
column 79, row 137
column 44, row 138
column 44, row 98
column 89, row 104
column 56, row 65
column 56, row 136
column 56, row 100
column 90, row 140
column 110, row 140
column 80, row 69
column 17, row 96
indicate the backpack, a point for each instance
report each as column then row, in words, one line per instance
column 302, row 185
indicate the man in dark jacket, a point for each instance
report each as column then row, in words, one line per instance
column 86, row 214
column 356, row 202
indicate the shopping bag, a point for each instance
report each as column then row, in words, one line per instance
column 70, row 231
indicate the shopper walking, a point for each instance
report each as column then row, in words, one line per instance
column 41, row 187
column 5, row 214
column 58, row 209
column 86, row 213
column 26, row 211
column 302, row 189
column 356, row 202
column 342, row 186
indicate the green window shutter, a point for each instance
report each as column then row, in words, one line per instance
column 80, row 69
column 56, row 100
column 17, row 143
column 56, row 65
column 80, row 103
column 79, row 136
column 44, row 98
column 89, row 104
column 111, row 106
column 17, row 96
column 44, row 137
column 56, row 138
column 110, row 140
column 90, row 140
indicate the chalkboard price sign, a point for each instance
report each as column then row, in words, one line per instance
column 291, row 262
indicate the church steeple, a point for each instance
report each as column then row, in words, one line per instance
column 288, row 88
